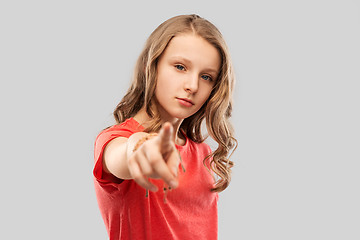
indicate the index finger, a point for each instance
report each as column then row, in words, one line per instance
column 166, row 135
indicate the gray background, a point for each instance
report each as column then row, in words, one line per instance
column 64, row 65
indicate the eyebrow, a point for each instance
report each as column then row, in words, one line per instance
column 187, row 61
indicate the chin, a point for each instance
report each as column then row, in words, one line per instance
column 175, row 112
column 181, row 115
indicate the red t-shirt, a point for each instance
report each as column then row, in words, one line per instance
column 190, row 211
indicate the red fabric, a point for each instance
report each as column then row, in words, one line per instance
column 190, row 211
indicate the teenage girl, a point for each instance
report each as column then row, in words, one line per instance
column 155, row 178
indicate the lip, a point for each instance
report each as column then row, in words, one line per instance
column 185, row 101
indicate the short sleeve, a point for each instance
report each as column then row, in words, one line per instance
column 126, row 129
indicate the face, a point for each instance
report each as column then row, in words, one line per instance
column 186, row 73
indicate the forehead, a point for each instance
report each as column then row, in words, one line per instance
column 195, row 49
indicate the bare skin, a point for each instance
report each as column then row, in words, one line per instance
column 156, row 158
column 187, row 71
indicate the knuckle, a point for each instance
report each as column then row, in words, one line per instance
column 137, row 177
column 153, row 157
column 154, row 162
column 148, row 172
column 131, row 160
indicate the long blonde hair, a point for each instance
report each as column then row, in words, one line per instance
column 216, row 110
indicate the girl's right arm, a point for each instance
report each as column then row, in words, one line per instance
column 155, row 158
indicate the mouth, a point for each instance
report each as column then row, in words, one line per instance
column 186, row 100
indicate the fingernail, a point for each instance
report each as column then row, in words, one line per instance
column 173, row 184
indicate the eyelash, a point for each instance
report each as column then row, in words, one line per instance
column 209, row 78
column 178, row 66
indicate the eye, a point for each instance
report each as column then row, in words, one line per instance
column 206, row 77
column 180, row 67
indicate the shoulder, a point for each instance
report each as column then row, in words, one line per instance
column 200, row 147
column 124, row 129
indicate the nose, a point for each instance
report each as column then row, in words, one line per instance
column 191, row 83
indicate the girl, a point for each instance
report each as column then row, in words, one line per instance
column 183, row 76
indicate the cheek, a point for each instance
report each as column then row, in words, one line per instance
column 205, row 94
column 163, row 87
column 166, row 81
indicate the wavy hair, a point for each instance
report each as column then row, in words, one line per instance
column 216, row 110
